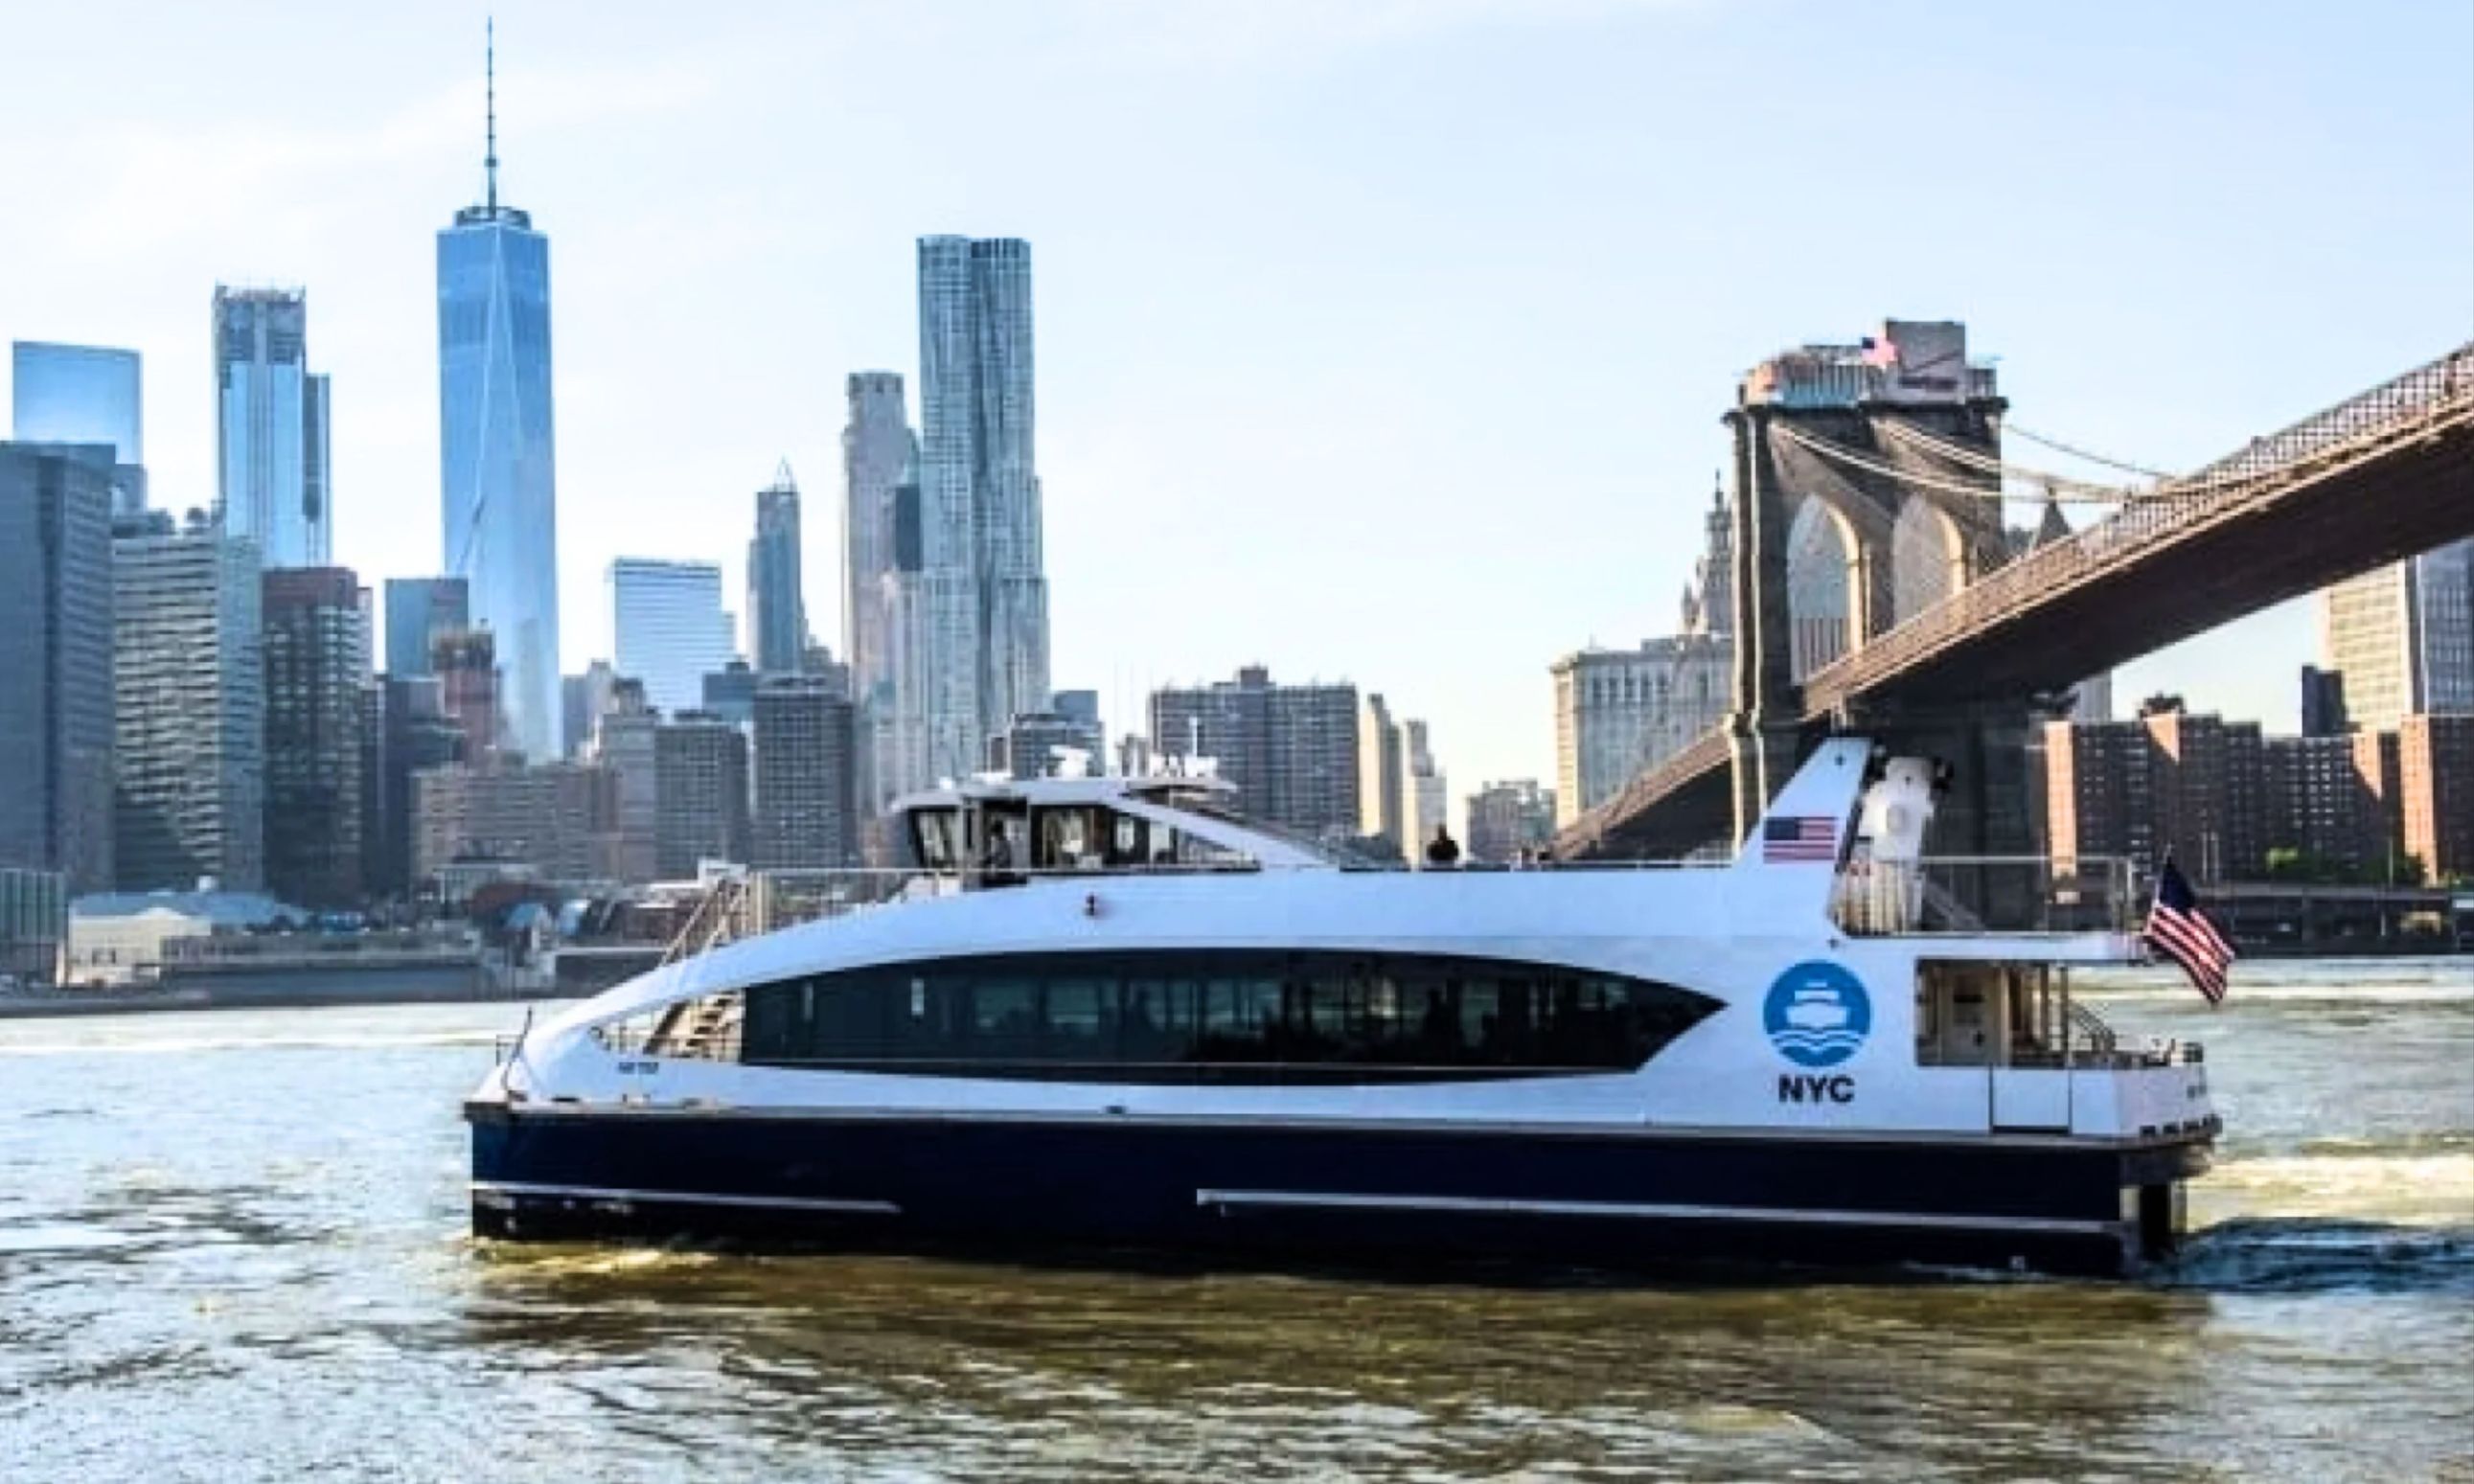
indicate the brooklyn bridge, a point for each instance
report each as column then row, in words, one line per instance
column 1890, row 436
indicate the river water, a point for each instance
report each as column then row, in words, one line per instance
column 232, row 1246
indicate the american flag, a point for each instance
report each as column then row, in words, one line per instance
column 2178, row 930
column 1792, row 837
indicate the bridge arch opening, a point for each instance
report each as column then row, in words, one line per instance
column 1823, row 585
column 1927, row 558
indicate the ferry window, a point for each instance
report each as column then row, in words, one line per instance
column 1126, row 842
column 1261, row 1016
column 937, row 834
column 1067, row 840
column 1080, row 1020
column 1005, row 1016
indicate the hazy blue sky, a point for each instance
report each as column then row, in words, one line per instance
column 1378, row 339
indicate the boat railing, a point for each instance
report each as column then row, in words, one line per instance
column 1972, row 895
column 775, row 899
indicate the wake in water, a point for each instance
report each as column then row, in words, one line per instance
column 2323, row 1254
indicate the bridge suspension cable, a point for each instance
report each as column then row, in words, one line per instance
column 1976, row 458
column 2059, row 446
column 2067, row 492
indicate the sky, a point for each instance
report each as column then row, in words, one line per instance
column 1384, row 340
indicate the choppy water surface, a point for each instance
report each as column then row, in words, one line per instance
column 232, row 1246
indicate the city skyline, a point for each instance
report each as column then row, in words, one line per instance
column 1372, row 384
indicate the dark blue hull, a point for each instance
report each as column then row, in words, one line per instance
column 1268, row 1192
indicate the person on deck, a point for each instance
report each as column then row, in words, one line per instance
column 1442, row 852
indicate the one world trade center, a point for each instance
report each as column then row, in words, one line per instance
column 498, row 473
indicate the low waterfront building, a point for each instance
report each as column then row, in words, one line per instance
column 117, row 938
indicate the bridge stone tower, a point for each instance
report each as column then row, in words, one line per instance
column 1896, row 441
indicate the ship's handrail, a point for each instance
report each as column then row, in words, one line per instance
column 1970, row 895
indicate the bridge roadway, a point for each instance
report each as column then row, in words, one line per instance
column 2385, row 475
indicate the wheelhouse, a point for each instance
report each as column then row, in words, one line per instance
column 999, row 832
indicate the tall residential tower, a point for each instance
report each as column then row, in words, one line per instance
column 884, row 607
column 271, row 428
column 497, row 473
column 777, row 616
column 986, row 587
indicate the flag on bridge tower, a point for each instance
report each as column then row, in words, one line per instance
column 2178, row 930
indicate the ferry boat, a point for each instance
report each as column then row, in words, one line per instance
column 1108, row 1015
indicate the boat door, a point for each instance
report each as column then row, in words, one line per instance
column 1994, row 1017
column 2031, row 1086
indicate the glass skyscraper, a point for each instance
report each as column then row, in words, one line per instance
column 669, row 628
column 777, row 617
column 421, row 611
column 985, row 585
column 56, row 687
column 271, row 428
column 497, row 473
column 84, row 394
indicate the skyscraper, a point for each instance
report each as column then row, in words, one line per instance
column 582, row 700
column 84, row 394
column 418, row 735
column 1507, row 819
column 2402, row 637
column 1290, row 750
column 623, row 741
column 311, row 618
column 777, row 617
column 421, row 611
column 497, row 473
column 669, row 628
column 804, row 799
column 465, row 662
column 700, row 792
column 1381, row 767
column 271, row 428
column 56, row 693
column 881, row 576
column 986, row 590
column 190, row 708
column 1423, row 799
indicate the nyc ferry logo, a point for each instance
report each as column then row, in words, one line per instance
column 1817, row 1015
